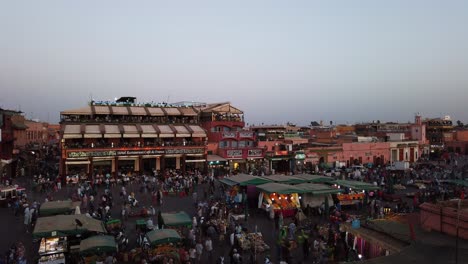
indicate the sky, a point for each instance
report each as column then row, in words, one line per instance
column 278, row 61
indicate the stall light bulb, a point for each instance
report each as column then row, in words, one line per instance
column 363, row 191
column 279, row 198
column 339, row 187
column 272, row 199
column 300, row 197
column 359, row 256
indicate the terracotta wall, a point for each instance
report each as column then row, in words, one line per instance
column 443, row 218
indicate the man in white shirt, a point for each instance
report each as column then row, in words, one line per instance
column 209, row 248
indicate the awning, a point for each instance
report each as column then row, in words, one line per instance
column 163, row 236
column 284, row 179
column 314, row 178
column 193, row 161
column 148, row 131
column 80, row 111
column 176, row 219
column 64, row 225
column 245, row 179
column 96, row 245
column 72, row 131
column 166, row 131
column 215, row 158
column 155, row 111
column 273, row 187
column 187, row 111
column 317, row 189
column 77, row 162
column 120, row 110
column 92, row 131
column 140, row 111
column 182, row 131
column 197, row 131
column 357, row 185
column 112, row 131
column 102, row 110
column 130, row 131
column 172, row 111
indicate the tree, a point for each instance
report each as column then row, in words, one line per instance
column 459, row 123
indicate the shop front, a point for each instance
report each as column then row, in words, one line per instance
column 281, row 198
column 52, row 250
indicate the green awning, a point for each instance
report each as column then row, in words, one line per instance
column 284, row 179
column 163, row 236
column 57, row 207
column 314, row 178
column 273, row 187
column 357, row 185
column 463, row 183
column 227, row 182
column 245, row 179
column 64, row 225
column 96, row 245
column 317, row 189
column 176, row 219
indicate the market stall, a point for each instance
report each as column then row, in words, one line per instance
column 58, row 207
column 163, row 236
column 7, row 193
column 59, row 232
column 92, row 248
column 285, row 179
column 308, row 178
column 313, row 195
column 180, row 219
column 282, row 198
column 353, row 191
column 52, row 250
column 252, row 241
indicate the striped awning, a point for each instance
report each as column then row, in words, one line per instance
column 112, row 131
column 182, row 131
column 119, row 110
column 172, row 111
column 102, row 110
column 140, row 111
column 155, row 111
column 130, row 131
column 92, row 131
column 72, row 131
column 148, row 131
column 166, row 131
column 197, row 131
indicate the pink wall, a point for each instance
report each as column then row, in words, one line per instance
column 432, row 215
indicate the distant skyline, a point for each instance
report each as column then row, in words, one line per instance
column 278, row 61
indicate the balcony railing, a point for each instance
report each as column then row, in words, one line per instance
column 133, row 144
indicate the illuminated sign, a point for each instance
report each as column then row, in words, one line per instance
column 114, row 153
column 255, row 153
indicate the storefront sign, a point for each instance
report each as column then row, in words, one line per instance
column 229, row 134
column 246, row 134
column 255, row 153
column 112, row 153
column 234, row 153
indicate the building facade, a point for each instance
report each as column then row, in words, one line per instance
column 234, row 147
column 7, row 139
column 125, row 137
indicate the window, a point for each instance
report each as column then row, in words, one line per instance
column 223, row 144
column 234, row 144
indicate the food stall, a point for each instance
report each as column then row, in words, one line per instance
column 281, row 197
column 92, row 248
column 313, row 194
column 58, row 233
column 238, row 182
column 176, row 219
column 354, row 191
column 7, row 193
column 252, row 241
column 163, row 236
column 58, row 207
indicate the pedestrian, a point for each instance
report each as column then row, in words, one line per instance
column 199, row 248
column 192, row 255
column 27, row 218
column 209, row 248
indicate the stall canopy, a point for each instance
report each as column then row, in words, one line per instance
column 317, row 189
column 284, row 179
column 273, row 187
column 176, row 219
column 357, row 185
column 163, row 236
column 57, row 207
column 64, row 225
column 314, row 178
column 96, row 245
column 244, row 180
column 463, row 183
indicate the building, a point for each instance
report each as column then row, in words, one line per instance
column 230, row 145
column 437, row 129
column 126, row 137
column 7, row 139
column 459, row 142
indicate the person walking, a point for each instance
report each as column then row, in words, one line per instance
column 209, row 249
column 199, row 248
column 27, row 218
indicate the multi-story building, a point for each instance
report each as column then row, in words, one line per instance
column 7, row 139
column 236, row 148
column 124, row 136
column 437, row 130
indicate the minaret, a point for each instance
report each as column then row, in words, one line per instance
column 417, row 119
